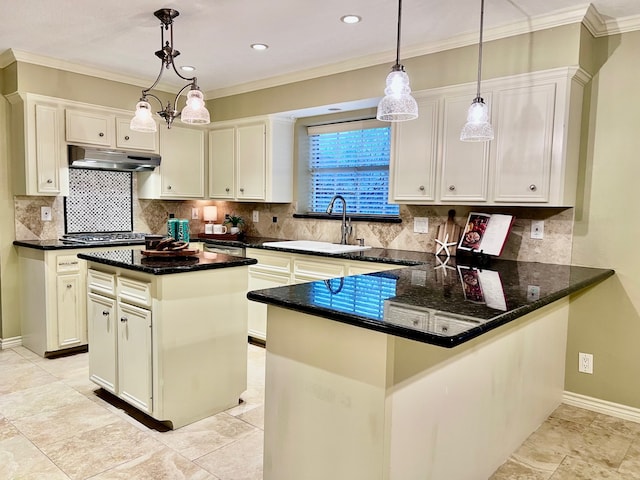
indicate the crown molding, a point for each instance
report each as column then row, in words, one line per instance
column 543, row 22
column 9, row 56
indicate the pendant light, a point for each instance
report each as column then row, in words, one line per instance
column 194, row 111
column 478, row 128
column 397, row 105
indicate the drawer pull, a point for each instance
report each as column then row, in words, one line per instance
column 533, row 188
column 242, row 190
column 124, row 319
column 69, row 285
column 101, row 134
column 168, row 187
column 49, row 180
column 105, row 313
column 452, row 187
column 422, row 188
column 126, row 137
column 227, row 189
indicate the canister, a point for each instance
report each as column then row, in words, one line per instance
column 172, row 227
column 183, row 230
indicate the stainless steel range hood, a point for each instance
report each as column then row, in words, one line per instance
column 109, row 159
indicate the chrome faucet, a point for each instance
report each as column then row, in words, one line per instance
column 345, row 228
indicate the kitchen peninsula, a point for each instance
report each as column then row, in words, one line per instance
column 168, row 336
column 431, row 372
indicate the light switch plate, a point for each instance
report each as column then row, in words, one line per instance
column 256, row 216
column 537, row 229
column 194, row 213
column 421, row 225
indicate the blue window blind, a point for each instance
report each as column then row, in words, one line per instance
column 351, row 159
column 361, row 295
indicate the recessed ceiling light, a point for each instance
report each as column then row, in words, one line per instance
column 350, row 19
column 187, row 68
column 259, row 46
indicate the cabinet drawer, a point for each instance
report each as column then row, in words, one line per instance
column 314, row 269
column 100, row 282
column 67, row 263
column 135, row 292
column 407, row 317
column 271, row 262
column 449, row 326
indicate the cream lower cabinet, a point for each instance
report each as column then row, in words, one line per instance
column 276, row 269
column 102, row 317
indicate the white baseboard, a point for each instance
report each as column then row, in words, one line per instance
column 602, row 406
column 10, row 342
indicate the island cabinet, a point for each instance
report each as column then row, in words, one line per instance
column 251, row 159
column 533, row 158
column 173, row 345
column 39, row 157
column 275, row 269
column 181, row 172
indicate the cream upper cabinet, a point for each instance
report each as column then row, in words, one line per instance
column 38, row 146
column 127, row 139
column 222, row 163
column 252, row 160
column 465, row 165
column 181, row 172
column 532, row 160
column 414, row 153
column 90, row 127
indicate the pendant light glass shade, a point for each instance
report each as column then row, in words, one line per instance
column 477, row 128
column 194, row 111
column 398, row 105
column 143, row 120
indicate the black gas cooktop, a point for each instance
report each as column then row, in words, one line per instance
column 104, row 237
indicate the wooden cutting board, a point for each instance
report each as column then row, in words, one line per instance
column 170, row 253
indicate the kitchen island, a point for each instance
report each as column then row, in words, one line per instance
column 168, row 335
column 432, row 372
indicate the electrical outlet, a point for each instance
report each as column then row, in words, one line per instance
column 45, row 214
column 421, row 225
column 256, row 216
column 585, row 362
column 194, row 213
column 537, row 229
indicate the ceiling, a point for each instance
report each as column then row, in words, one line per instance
column 306, row 38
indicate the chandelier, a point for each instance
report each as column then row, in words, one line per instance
column 194, row 111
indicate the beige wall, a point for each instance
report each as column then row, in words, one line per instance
column 606, row 320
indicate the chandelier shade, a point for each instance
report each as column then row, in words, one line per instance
column 398, row 104
column 194, row 111
column 478, row 128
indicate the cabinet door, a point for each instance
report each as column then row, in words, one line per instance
column 414, row 156
column 48, row 122
column 251, row 161
column 465, row 165
column 257, row 312
column 182, row 165
column 71, row 325
column 91, row 128
column 222, row 153
column 524, row 130
column 134, row 356
column 101, row 318
column 131, row 140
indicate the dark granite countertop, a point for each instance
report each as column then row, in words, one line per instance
column 63, row 245
column 134, row 260
column 438, row 302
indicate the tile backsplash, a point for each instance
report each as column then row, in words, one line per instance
column 151, row 216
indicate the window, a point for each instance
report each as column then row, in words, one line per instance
column 350, row 159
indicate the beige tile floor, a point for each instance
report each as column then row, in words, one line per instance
column 56, row 424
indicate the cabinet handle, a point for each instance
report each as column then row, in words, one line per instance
column 124, row 319
column 105, row 313
column 242, row 190
column 533, row 188
column 126, row 137
column 69, row 285
column 227, row 189
column 422, row 188
column 49, row 180
column 452, row 187
column 101, row 134
column 168, row 187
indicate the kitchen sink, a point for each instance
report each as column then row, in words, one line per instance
column 313, row 246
